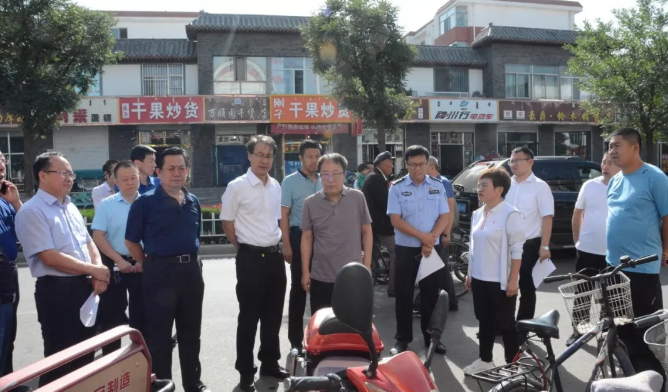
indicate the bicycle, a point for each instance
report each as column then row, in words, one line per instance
column 612, row 291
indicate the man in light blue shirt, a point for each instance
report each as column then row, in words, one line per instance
column 108, row 227
column 419, row 212
column 637, row 209
column 294, row 190
column 61, row 255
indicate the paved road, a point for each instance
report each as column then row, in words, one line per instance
column 219, row 328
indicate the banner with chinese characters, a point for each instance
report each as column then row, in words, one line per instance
column 463, row 110
column 421, row 111
column 309, row 129
column 92, row 111
column 545, row 111
column 295, row 109
column 236, row 109
column 162, row 110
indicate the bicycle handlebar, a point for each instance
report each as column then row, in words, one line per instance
column 651, row 319
column 624, row 262
column 330, row 382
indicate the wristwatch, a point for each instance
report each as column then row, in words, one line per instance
column 545, row 247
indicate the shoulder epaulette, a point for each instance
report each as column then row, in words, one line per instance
column 436, row 179
column 398, row 180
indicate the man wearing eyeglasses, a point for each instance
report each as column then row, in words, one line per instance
column 419, row 212
column 251, row 213
column 105, row 189
column 336, row 227
column 62, row 256
column 533, row 197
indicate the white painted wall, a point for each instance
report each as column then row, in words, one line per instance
column 121, row 79
column 191, row 79
column 512, row 15
column 475, row 81
column 151, row 27
column 420, row 80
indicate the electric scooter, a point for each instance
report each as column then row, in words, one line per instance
column 352, row 314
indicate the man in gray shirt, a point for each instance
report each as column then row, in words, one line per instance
column 61, row 255
column 335, row 224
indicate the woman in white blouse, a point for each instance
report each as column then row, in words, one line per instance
column 497, row 238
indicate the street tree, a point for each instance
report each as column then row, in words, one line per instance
column 624, row 64
column 357, row 46
column 50, row 54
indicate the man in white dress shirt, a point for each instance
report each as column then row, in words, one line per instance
column 251, row 212
column 533, row 197
column 589, row 217
column 106, row 189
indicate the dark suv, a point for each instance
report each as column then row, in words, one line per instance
column 564, row 175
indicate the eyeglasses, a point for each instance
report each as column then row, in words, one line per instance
column 331, row 176
column 517, row 160
column 264, row 157
column 417, row 165
column 63, row 173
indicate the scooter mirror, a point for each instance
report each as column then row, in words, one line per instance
column 352, row 298
column 439, row 317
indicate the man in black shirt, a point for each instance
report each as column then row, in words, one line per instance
column 376, row 189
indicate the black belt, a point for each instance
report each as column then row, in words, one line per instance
column 78, row 279
column 534, row 240
column 260, row 249
column 295, row 229
column 180, row 259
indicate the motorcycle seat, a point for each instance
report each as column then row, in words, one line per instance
column 331, row 326
column 544, row 326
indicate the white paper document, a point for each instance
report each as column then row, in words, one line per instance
column 542, row 271
column 429, row 265
column 88, row 312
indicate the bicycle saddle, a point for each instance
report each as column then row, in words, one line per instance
column 544, row 326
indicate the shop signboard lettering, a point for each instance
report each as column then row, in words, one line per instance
column 91, row 112
column 221, row 109
column 463, row 110
column 295, row 109
column 309, row 129
column 162, row 110
column 551, row 112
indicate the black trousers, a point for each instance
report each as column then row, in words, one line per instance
column 647, row 298
column 530, row 255
column 261, row 282
column 9, row 362
column 494, row 310
column 58, row 300
column 590, row 264
column 321, row 295
column 174, row 293
column 449, row 283
column 123, row 290
column 297, row 304
column 408, row 262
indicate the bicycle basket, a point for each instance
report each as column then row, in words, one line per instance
column 584, row 301
column 657, row 340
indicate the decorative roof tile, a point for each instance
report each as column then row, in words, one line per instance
column 526, row 35
column 156, row 50
column 448, row 56
column 246, row 23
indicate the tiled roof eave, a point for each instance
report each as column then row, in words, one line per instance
column 148, row 58
column 490, row 40
column 242, row 29
column 423, row 63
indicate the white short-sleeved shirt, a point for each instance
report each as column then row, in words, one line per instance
column 593, row 199
column 100, row 193
column 255, row 209
column 534, row 199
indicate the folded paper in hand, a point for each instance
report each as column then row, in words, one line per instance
column 429, row 265
column 542, row 271
column 88, row 312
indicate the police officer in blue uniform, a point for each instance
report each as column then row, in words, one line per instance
column 419, row 210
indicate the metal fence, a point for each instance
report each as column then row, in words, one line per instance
column 212, row 226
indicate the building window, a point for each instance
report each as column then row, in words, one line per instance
column 508, row 141
column 541, row 82
column 570, row 91
column 294, row 75
column 454, row 17
column 239, row 75
column 451, row 80
column 162, row 79
column 11, row 146
column 573, row 144
column 119, row 32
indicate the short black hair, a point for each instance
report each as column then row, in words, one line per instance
column 43, row 163
column 307, row 144
column 499, row 177
column 362, row 166
column 268, row 140
column 124, row 165
column 336, row 158
column 416, row 151
column 139, row 152
column 630, row 135
column 160, row 160
column 106, row 168
column 525, row 150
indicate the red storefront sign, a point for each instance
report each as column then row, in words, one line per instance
column 295, row 109
column 308, row 129
column 161, row 110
